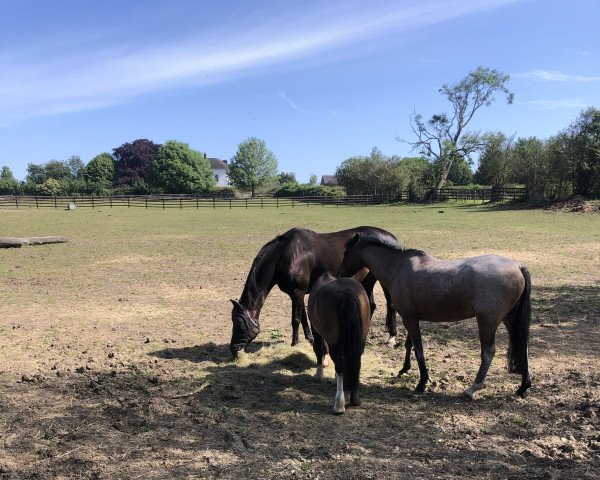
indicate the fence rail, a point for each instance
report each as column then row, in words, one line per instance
column 187, row 201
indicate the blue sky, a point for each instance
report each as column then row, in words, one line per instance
column 319, row 81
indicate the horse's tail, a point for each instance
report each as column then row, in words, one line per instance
column 350, row 337
column 518, row 329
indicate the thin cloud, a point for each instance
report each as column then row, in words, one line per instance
column 290, row 102
column 102, row 76
column 558, row 104
column 547, row 76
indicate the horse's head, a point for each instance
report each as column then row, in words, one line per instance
column 352, row 261
column 245, row 328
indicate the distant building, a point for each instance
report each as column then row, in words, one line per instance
column 220, row 169
column 329, row 180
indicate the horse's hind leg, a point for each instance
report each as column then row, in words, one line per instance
column 339, row 406
column 414, row 332
column 319, row 349
column 408, row 351
column 487, row 337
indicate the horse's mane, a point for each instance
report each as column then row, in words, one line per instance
column 387, row 243
column 268, row 253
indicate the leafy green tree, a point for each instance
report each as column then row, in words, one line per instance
column 531, row 164
column 496, row 161
column 177, row 168
column 99, row 173
column 76, row 166
column 443, row 138
column 8, row 183
column 253, row 165
column 286, row 177
column 57, row 170
column 312, row 180
column 584, row 145
column 36, row 174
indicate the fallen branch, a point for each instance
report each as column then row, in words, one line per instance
column 16, row 242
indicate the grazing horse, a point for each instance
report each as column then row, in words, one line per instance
column 339, row 312
column 293, row 261
column 491, row 288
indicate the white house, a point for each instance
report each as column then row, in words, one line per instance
column 220, row 169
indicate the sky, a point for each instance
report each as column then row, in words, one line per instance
column 319, row 81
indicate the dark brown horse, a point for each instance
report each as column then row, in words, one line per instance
column 339, row 312
column 293, row 261
column 491, row 288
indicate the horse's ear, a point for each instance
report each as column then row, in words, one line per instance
column 236, row 305
column 356, row 237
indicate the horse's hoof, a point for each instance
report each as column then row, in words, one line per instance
column 420, row 388
column 468, row 395
column 310, row 339
column 338, row 412
column 404, row 371
column 355, row 403
column 392, row 342
column 521, row 392
column 294, row 342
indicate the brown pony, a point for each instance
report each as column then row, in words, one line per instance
column 491, row 288
column 293, row 261
column 339, row 312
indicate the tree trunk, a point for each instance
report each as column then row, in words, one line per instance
column 442, row 179
column 252, row 189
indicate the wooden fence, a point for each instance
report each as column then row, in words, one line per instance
column 180, row 202
column 188, row 201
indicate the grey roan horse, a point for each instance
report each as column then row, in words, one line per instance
column 491, row 288
column 340, row 313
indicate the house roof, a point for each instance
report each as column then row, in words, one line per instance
column 218, row 164
column 329, row 180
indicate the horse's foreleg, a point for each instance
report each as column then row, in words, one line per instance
column 408, row 351
column 390, row 319
column 414, row 332
column 487, row 337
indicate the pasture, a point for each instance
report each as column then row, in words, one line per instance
column 114, row 359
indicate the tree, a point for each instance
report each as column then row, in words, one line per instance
column 8, row 183
column 287, row 177
column 253, row 165
column 375, row 174
column 76, row 166
column 584, row 145
column 57, row 170
column 443, row 139
column 99, row 173
column 496, row 161
column 177, row 168
column 312, row 179
column 132, row 162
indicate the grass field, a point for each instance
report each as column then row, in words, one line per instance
column 115, row 364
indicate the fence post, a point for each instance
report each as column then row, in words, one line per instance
column 36, row 203
column 17, row 201
column 261, row 202
column 93, row 203
column 146, row 204
column 214, row 204
column 230, row 204
column 246, row 204
column 163, row 202
column 128, row 198
column 292, row 202
column 277, row 201
column 55, row 204
column 197, row 203
column 180, row 203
